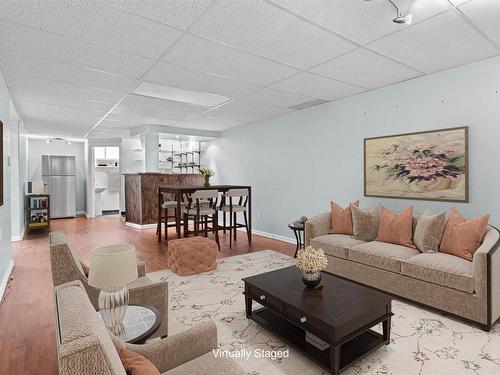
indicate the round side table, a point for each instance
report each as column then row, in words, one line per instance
column 139, row 324
column 298, row 230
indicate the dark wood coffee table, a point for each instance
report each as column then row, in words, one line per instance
column 339, row 312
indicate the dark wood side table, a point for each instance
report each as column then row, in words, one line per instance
column 298, row 231
column 341, row 314
column 139, row 324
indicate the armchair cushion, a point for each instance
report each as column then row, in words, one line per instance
column 207, row 364
column 136, row 364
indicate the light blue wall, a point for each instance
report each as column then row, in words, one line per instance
column 38, row 147
column 298, row 162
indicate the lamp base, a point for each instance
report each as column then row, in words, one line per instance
column 113, row 305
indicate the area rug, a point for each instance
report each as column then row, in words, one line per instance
column 422, row 341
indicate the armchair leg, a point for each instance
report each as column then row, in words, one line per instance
column 235, row 223
column 246, row 225
column 215, row 225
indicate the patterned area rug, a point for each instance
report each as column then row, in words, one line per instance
column 423, row 342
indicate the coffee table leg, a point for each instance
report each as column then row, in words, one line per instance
column 248, row 306
column 335, row 359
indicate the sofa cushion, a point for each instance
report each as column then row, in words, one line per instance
column 365, row 222
column 336, row 245
column 386, row 256
column 136, row 364
column 396, row 228
column 341, row 218
column 442, row 269
column 207, row 364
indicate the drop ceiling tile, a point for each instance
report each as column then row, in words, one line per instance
column 458, row 2
column 360, row 20
column 70, row 51
column 486, row 16
column 225, row 114
column 316, row 86
column 137, row 106
column 93, row 22
column 261, row 28
column 365, row 68
column 209, row 123
column 34, row 109
column 177, row 13
column 23, row 82
column 16, row 62
column 188, row 79
column 34, row 96
column 207, row 56
column 252, row 108
column 439, row 43
column 276, row 98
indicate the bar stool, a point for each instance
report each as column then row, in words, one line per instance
column 233, row 209
column 163, row 217
column 202, row 205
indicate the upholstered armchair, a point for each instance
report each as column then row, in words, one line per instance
column 66, row 267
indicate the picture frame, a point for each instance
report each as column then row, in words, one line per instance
column 428, row 165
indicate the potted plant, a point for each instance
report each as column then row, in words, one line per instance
column 207, row 173
column 311, row 262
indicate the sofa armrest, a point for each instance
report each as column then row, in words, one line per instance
column 317, row 226
column 183, row 347
column 141, row 268
column 155, row 295
column 485, row 254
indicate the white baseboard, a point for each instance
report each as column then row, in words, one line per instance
column 6, row 278
column 139, row 226
column 272, row 235
column 81, row 213
column 16, row 238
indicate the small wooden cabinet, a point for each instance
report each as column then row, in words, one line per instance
column 37, row 211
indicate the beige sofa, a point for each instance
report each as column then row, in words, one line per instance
column 467, row 289
column 66, row 267
column 84, row 346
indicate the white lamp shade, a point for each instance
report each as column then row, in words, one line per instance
column 112, row 266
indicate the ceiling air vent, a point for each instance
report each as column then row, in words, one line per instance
column 310, row 103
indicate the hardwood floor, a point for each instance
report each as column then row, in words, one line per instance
column 27, row 333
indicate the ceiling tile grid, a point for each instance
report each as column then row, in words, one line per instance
column 68, row 63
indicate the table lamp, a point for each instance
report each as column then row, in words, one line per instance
column 110, row 269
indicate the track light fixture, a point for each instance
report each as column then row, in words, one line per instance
column 399, row 16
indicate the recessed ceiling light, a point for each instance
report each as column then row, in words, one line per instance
column 176, row 94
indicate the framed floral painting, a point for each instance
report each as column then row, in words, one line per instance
column 431, row 165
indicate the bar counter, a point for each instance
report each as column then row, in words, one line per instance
column 141, row 193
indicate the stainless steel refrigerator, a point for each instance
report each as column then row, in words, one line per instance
column 59, row 176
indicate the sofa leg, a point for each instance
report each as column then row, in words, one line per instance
column 486, row 327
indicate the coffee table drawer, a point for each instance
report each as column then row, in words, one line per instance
column 305, row 321
column 265, row 299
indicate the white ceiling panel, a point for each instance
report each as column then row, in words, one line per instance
column 53, row 129
column 19, row 81
column 31, row 41
column 458, row 2
column 177, row 13
column 486, row 16
column 50, row 111
column 439, row 43
column 93, row 22
column 360, row 20
column 261, row 28
column 316, row 86
column 44, row 98
column 207, row 56
column 227, row 114
column 205, row 122
column 16, row 62
column 276, row 98
column 366, row 69
column 243, row 106
column 188, row 79
column 136, row 106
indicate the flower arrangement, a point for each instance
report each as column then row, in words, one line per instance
column 311, row 260
column 421, row 163
column 207, row 173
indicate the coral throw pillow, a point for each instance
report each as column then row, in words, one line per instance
column 396, row 228
column 136, row 364
column 463, row 237
column 341, row 218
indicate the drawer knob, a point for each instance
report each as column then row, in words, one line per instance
column 262, row 297
column 303, row 319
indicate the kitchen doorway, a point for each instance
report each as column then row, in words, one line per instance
column 106, row 181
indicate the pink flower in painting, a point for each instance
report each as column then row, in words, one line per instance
column 425, row 167
column 447, row 152
column 419, row 147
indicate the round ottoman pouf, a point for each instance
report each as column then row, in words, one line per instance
column 187, row 256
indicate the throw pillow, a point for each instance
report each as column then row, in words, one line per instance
column 365, row 223
column 136, row 364
column 341, row 218
column 396, row 228
column 463, row 237
column 429, row 231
